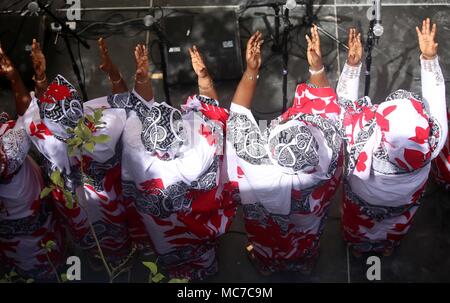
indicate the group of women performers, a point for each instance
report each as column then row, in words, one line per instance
column 149, row 177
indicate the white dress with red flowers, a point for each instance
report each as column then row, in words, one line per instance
column 441, row 165
column 389, row 150
column 26, row 221
column 101, row 180
column 171, row 166
column 287, row 176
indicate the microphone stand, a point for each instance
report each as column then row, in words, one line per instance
column 285, row 55
column 66, row 31
column 162, row 44
column 370, row 42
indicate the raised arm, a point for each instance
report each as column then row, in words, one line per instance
column 39, row 66
column 318, row 77
column 205, row 82
column 247, row 86
column 117, row 82
column 348, row 85
column 433, row 84
column 143, row 83
column 21, row 94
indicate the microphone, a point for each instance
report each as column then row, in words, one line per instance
column 377, row 28
column 291, row 4
column 148, row 20
column 32, row 8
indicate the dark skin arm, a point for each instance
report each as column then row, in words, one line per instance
column 247, row 86
column 314, row 55
column 117, row 82
column 39, row 65
column 143, row 84
column 205, row 82
column 21, row 94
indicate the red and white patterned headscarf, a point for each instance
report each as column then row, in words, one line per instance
column 399, row 130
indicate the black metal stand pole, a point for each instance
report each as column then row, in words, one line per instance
column 285, row 55
column 371, row 40
column 162, row 42
column 76, row 70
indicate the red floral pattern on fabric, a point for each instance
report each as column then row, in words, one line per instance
column 39, row 130
column 361, row 165
column 55, row 93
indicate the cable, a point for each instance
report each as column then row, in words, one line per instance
column 81, row 64
column 14, row 4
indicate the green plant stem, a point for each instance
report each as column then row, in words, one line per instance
column 53, row 267
column 91, row 227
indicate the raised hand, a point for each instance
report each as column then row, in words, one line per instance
column 198, row 64
column 426, row 37
column 253, row 53
column 142, row 63
column 38, row 60
column 354, row 47
column 6, row 66
column 314, row 54
column 106, row 64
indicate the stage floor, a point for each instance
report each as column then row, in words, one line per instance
column 423, row 255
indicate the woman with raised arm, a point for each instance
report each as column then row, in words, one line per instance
column 389, row 149
column 89, row 199
column 27, row 223
column 287, row 174
column 171, row 165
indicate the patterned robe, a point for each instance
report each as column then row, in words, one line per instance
column 26, row 221
column 287, row 176
column 389, row 148
column 98, row 190
column 441, row 165
column 171, row 168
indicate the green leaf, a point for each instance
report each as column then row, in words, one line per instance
column 158, row 277
column 101, row 139
column 98, row 114
column 90, row 118
column 68, row 198
column 78, row 133
column 70, row 151
column 89, row 146
column 50, row 245
column 152, row 266
column 45, row 192
column 178, row 281
column 57, row 179
column 86, row 133
column 13, row 274
column 29, row 280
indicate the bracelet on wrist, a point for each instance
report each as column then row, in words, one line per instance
column 316, row 72
column 39, row 81
column 142, row 82
column 251, row 76
column 116, row 81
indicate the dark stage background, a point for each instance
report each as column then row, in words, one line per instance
column 423, row 255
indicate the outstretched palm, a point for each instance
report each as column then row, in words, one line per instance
column 198, row 64
column 426, row 36
column 6, row 66
column 106, row 63
column 354, row 47
column 314, row 54
column 253, row 53
column 142, row 63
column 38, row 59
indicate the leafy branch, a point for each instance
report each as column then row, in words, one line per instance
column 157, row 277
